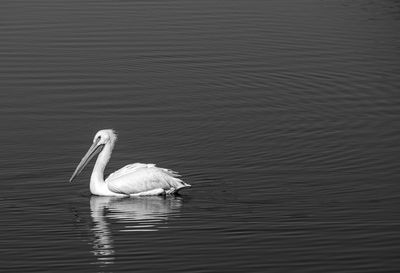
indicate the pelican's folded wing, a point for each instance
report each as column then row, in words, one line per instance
column 136, row 178
column 128, row 169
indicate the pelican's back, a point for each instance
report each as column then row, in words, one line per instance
column 138, row 177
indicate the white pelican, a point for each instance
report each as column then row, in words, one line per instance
column 136, row 179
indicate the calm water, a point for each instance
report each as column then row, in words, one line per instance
column 283, row 115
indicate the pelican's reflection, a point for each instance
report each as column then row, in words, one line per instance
column 136, row 214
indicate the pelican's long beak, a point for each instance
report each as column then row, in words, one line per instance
column 92, row 152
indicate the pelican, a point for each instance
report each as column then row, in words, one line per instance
column 136, row 179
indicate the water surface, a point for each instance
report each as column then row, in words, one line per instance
column 283, row 115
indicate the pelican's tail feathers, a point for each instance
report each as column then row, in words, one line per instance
column 175, row 180
column 180, row 185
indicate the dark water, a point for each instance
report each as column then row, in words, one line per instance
column 283, row 115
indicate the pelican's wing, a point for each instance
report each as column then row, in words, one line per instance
column 128, row 169
column 138, row 177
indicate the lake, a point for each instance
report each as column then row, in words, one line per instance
column 282, row 115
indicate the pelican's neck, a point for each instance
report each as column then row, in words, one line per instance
column 97, row 184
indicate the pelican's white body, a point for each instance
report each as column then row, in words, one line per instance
column 136, row 179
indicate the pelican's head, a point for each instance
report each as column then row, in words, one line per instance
column 105, row 136
column 101, row 139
